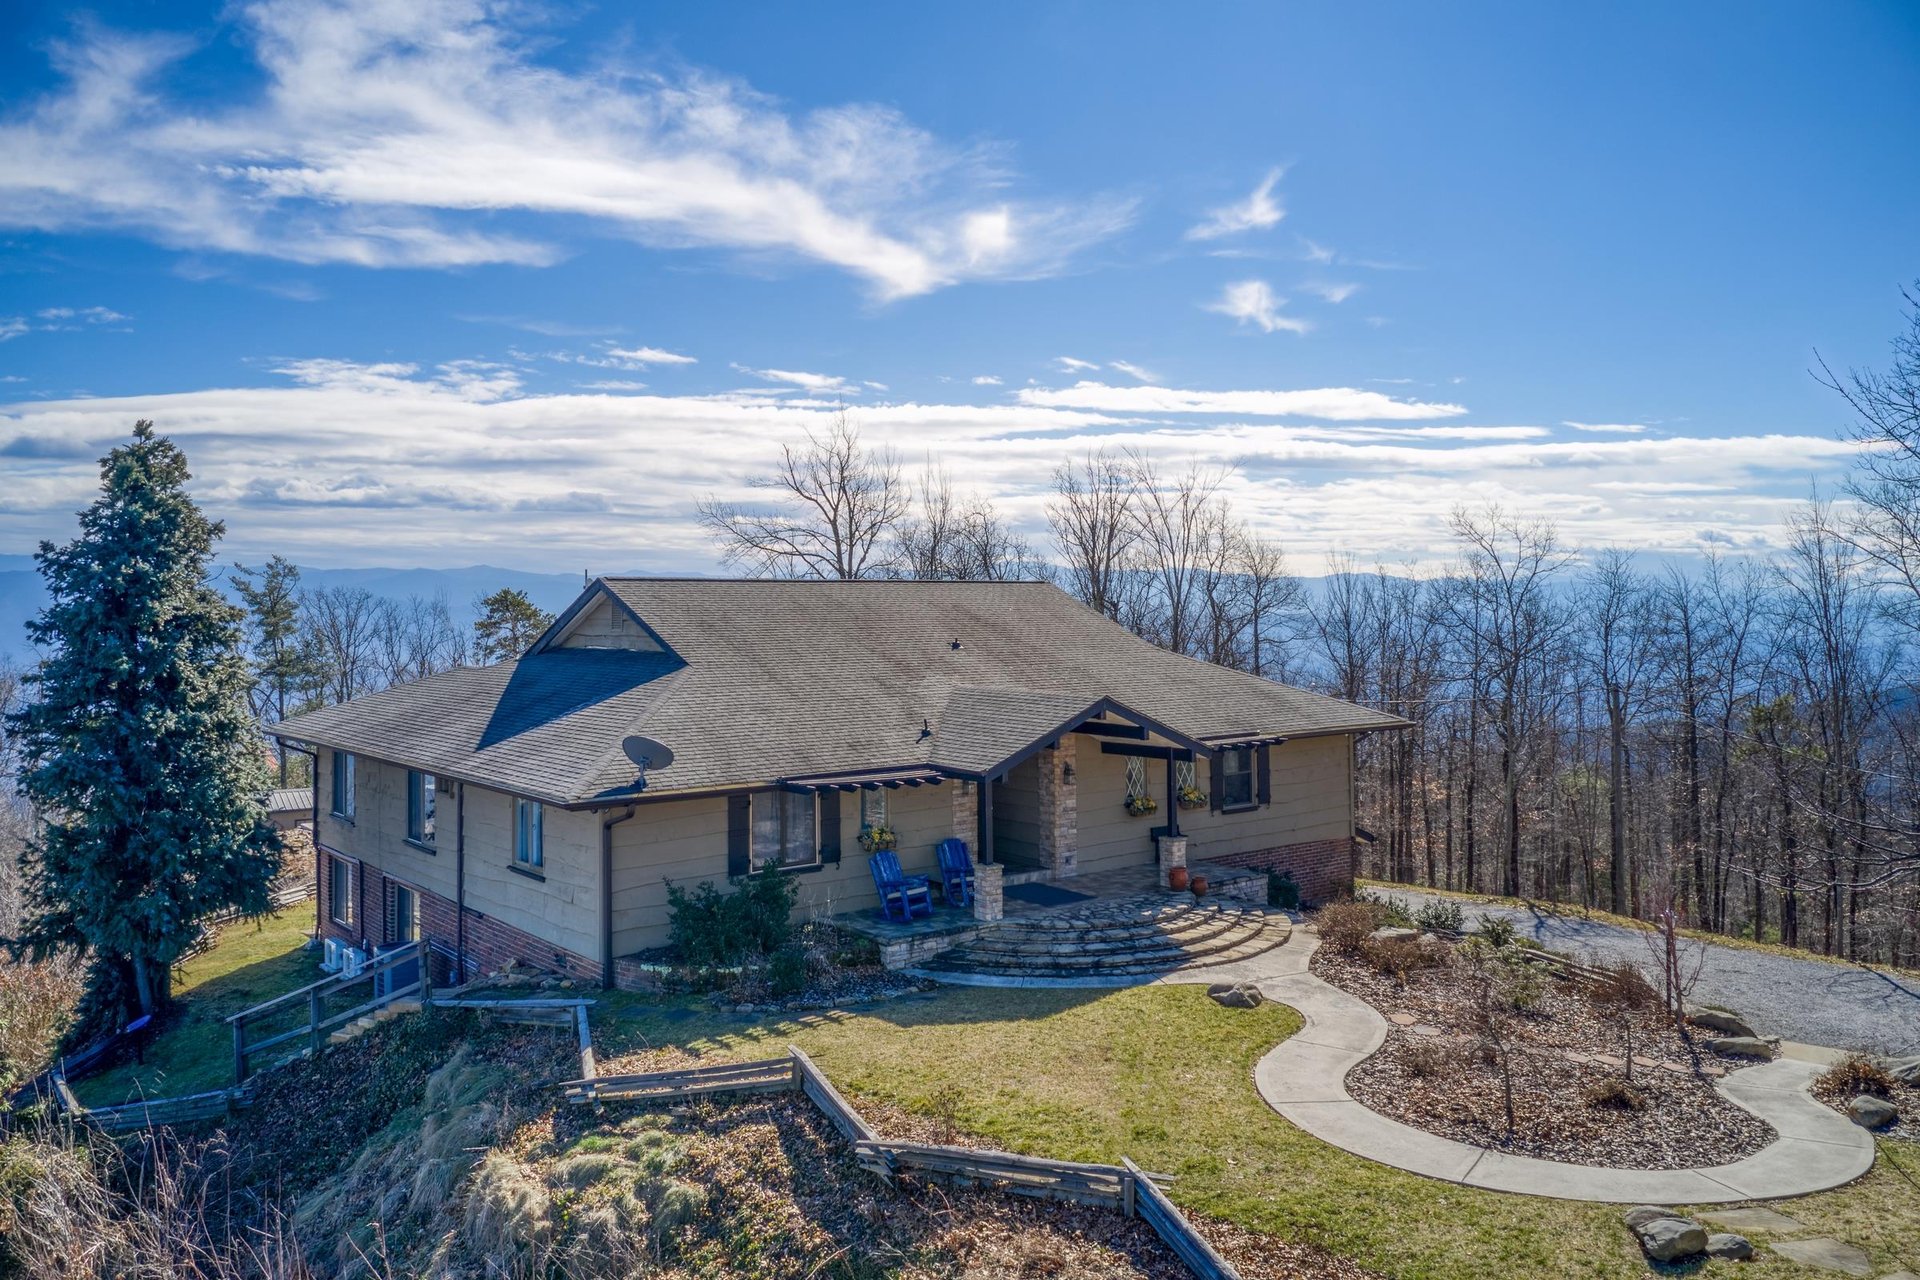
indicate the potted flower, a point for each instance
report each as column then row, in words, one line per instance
column 1191, row 797
column 1142, row 805
column 874, row 839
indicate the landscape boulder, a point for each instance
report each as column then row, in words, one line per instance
column 1391, row 933
column 1235, row 995
column 1670, row 1239
column 1742, row 1047
column 1870, row 1112
column 1641, row 1214
column 1720, row 1020
column 1905, row 1070
column 1729, row 1247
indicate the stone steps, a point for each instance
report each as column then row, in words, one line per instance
column 1127, row 938
column 368, row 1021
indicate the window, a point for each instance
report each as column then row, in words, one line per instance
column 1136, row 777
column 1236, row 777
column 340, row 890
column 783, row 829
column 528, row 817
column 420, row 796
column 343, row 785
column 405, row 925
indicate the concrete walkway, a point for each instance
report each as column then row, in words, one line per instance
column 1304, row 1079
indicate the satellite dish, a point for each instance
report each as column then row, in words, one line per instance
column 647, row 753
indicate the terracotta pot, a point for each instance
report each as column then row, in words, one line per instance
column 1199, row 886
column 1176, row 878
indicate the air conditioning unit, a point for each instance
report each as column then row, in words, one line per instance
column 352, row 961
column 330, row 949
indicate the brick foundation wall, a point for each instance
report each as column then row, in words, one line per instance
column 1322, row 868
column 490, row 943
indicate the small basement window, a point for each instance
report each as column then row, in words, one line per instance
column 343, row 785
column 784, row 829
column 420, row 804
column 1236, row 778
column 529, row 852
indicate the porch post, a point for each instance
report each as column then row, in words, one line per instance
column 986, row 820
column 1059, row 808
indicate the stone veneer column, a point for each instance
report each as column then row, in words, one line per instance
column 966, row 814
column 1059, row 809
column 1173, row 853
column 989, row 902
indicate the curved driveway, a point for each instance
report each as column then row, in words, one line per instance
column 1812, row 1001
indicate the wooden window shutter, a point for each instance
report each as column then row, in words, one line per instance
column 1216, row 782
column 829, row 826
column 1263, row 778
column 387, row 923
column 739, row 835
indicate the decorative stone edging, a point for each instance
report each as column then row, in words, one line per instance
column 1304, row 1079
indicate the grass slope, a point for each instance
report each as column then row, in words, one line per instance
column 254, row 960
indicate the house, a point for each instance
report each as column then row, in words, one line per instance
column 672, row 731
column 290, row 807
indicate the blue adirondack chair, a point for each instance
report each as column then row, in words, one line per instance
column 902, row 897
column 956, row 872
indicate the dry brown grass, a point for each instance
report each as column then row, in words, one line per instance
column 1345, row 926
column 1853, row 1076
column 37, row 1000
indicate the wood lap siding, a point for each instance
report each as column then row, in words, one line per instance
column 1016, row 819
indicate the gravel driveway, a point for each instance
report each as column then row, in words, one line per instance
column 1811, row 1001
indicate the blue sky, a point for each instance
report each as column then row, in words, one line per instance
column 521, row 283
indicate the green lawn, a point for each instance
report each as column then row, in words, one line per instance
column 1163, row 1075
column 252, row 962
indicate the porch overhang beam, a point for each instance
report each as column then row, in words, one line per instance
column 1244, row 740
column 1102, row 729
column 1149, row 752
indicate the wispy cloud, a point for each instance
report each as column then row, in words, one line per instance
column 641, row 357
column 1134, row 371
column 1254, row 302
column 799, row 378
column 1332, row 292
column 59, row 320
column 985, row 380
column 397, row 135
column 1608, row 428
column 1068, row 364
column 1257, row 212
column 1334, row 403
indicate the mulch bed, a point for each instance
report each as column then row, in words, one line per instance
column 1904, row 1096
column 1432, row 1074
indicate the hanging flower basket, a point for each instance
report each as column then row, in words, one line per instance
column 875, row 839
column 1192, row 797
column 1141, row 806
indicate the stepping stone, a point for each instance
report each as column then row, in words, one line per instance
column 1678, row 1068
column 1754, row 1220
column 1827, row 1254
column 1402, row 1019
column 1574, row 1056
column 1422, row 1029
column 1608, row 1060
column 1639, row 1061
column 1709, row 1069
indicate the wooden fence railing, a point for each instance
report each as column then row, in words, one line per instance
column 1124, row 1187
column 190, row 1109
column 311, row 1000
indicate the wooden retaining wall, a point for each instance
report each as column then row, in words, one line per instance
column 1124, row 1187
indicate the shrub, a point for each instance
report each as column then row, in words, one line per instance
column 1283, row 890
column 1401, row 958
column 1393, row 909
column 787, row 971
column 1854, row 1075
column 37, row 1001
column 708, row 928
column 1427, row 1059
column 1441, row 915
column 1611, row 1093
column 1497, row 931
column 1345, row 926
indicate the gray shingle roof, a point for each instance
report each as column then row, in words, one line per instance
column 773, row 679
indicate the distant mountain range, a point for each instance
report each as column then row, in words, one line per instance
column 22, row 594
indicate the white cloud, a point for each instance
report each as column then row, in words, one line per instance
column 456, row 464
column 1254, row 302
column 1257, row 212
column 613, row 384
column 12, row 327
column 1333, row 292
column 1134, row 371
column 877, row 386
column 1070, row 365
column 399, row 135
column 985, row 380
column 1316, row 252
column 1608, row 428
column 641, row 357
column 1339, row 404
column 805, row 381
column 59, row 320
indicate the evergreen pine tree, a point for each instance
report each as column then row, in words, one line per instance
column 282, row 665
column 138, row 747
column 508, row 624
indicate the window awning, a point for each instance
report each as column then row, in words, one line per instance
column 866, row 779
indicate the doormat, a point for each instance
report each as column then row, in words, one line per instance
column 1044, row 895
